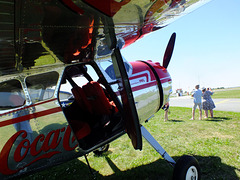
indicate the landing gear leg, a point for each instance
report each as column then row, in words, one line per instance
column 186, row 168
column 150, row 139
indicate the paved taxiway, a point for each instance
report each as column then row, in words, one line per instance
column 221, row 104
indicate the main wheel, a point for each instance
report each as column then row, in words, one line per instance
column 101, row 150
column 187, row 168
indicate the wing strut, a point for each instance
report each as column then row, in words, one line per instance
column 130, row 115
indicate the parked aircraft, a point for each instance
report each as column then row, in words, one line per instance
column 65, row 89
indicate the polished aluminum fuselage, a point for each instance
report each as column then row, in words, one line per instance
column 38, row 41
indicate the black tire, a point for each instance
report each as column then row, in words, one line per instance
column 187, row 168
column 101, row 150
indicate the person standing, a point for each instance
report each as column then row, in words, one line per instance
column 208, row 103
column 197, row 101
column 165, row 108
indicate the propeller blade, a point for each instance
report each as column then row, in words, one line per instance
column 169, row 50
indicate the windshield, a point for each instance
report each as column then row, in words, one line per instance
column 108, row 69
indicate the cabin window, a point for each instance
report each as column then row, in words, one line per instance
column 42, row 86
column 11, row 95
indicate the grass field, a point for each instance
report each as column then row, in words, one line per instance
column 214, row 142
column 227, row 93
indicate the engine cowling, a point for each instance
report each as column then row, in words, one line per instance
column 151, row 86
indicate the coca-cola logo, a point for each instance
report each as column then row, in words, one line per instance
column 42, row 147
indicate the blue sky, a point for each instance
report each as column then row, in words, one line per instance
column 206, row 50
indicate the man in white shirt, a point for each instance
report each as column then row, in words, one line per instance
column 197, row 100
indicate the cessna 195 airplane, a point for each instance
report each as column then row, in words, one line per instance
column 65, row 89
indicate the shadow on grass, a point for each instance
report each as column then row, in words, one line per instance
column 211, row 167
column 175, row 120
column 216, row 119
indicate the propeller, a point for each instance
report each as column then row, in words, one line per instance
column 169, row 50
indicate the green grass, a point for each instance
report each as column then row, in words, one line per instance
column 214, row 142
column 227, row 93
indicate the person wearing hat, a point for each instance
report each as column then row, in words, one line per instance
column 197, row 100
column 208, row 104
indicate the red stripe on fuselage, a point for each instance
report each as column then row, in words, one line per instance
column 26, row 107
column 139, row 76
column 143, row 86
column 30, row 116
column 165, row 80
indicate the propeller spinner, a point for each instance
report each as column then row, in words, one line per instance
column 169, row 50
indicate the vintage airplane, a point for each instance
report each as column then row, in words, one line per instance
column 65, row 89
